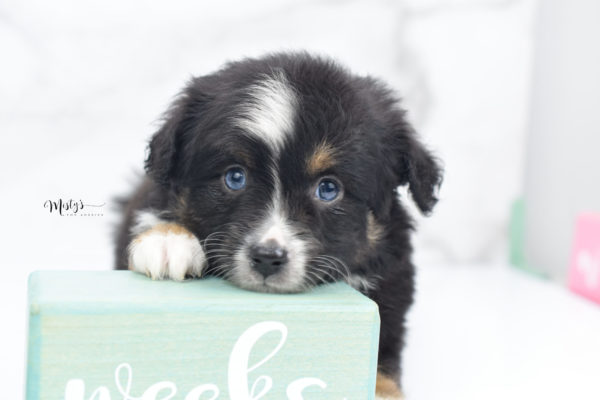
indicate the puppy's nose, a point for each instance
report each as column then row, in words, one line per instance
column 268, row 258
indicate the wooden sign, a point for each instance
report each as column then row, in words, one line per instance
column 119, row 335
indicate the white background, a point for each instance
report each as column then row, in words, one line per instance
column 83, row 84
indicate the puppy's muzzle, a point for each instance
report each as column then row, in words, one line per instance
column 268, row 258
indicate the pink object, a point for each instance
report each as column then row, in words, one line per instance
column 584, row 271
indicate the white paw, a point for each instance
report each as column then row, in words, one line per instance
column 166, row 251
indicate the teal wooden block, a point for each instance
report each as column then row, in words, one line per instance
column 118, row 335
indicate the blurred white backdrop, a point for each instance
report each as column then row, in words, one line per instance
column 82, row 85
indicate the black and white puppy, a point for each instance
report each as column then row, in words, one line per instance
column 279, row 174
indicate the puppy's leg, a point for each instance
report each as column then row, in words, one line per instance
column 388, row 368
column 387, row 388
column 394, row 296
column 166, row 250
column 390, row 346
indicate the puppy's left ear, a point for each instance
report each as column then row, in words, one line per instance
column 417, row 168
column 164, row 159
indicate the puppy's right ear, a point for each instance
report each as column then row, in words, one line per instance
column 167, row 143
column 415, row 165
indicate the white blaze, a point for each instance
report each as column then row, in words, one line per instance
column 269, row 113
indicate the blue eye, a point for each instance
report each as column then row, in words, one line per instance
column 327, row 190
column 235, row 178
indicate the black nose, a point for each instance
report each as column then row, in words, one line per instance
column 268, row 258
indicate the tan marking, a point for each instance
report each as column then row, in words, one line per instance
column 374, row 230
column 321, row 159
column 245, row 157
column 181, row 206
column 387, row 388
column 164, row 228
column 182, row 198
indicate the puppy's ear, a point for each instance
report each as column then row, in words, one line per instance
column 166, row 144
column 417, row 168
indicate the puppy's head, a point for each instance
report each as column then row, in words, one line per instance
column 286, row 169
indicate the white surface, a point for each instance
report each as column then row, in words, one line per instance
column 497, row 333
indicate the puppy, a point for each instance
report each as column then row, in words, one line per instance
column 280, row 174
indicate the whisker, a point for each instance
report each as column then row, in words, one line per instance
column 222, row 271
column 314, row 274
column 333, row 278
column 211, row 258
column 221, row 251
column 329, row 265
column 336, row 261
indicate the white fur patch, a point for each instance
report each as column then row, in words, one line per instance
column 144, row 220
column 291, row 277
column 269, row 113
column 275, row 227
column 166, row 255
column 276, row 232
column 160, row 254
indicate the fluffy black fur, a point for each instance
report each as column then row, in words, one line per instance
column 376, row 152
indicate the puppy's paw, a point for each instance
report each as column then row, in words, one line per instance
column 387, row 388
column 166, row 251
